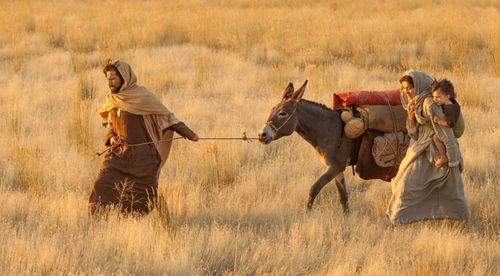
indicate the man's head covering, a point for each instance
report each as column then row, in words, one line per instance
column 422, row 88
column 132, row 97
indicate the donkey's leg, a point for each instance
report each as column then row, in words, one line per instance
column 330, row 173
column 340, row 182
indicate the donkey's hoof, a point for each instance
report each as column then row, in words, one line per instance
column 345, row 206
column 346, row 210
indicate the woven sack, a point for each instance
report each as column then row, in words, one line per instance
column 384, row 118
column 389, row 149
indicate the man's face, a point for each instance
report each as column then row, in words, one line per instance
column 115, row 81
column 440, row 98
column 407, row 88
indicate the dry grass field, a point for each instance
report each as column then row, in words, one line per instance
column 232, row 207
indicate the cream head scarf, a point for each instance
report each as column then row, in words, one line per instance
column 422, row 86
column 132, row 97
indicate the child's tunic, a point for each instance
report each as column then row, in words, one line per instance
column 452, row 112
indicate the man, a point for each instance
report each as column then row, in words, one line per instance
column 139, row 139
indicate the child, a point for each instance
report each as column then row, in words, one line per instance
column 443, row 94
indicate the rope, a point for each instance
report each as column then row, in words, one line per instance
column 394, row 126
column 243, row 138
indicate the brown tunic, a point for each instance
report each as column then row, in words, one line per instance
column 129, row 173
column 451, row 112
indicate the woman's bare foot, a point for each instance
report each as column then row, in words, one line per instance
column 440, row 162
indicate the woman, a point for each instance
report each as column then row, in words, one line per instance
column 420, row 191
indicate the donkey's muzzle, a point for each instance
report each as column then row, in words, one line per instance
column 266, row 135
column 262, row 137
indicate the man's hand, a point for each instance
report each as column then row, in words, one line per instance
column 114, row 141
column 195, row 138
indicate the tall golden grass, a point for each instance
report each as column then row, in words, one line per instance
column 234, row 207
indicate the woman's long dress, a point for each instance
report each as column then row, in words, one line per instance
column 420, row 191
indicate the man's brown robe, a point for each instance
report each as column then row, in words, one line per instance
column 129, row 172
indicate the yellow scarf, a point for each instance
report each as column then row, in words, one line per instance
column 132, row 97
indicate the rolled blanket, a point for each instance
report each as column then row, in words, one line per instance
column 386, row 118
column 346, row 99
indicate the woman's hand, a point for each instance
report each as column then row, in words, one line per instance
column 411, row 114
column 411, row 109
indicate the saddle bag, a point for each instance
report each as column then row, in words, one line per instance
column 380, row 142
column 389, row 149
column 385, row 118
column 366, row 167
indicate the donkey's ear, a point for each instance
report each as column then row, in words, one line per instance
column 297, row 95
column 288, row 91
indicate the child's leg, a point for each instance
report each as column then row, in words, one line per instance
column 442, row 151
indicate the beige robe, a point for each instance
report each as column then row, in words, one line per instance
column 420, row 191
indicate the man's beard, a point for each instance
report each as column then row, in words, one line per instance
column 115, row 90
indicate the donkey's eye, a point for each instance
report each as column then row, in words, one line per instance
column 282, row 114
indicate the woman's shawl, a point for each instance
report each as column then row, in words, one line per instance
column 422, row 85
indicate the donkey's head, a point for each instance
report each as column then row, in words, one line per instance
column 283, row 119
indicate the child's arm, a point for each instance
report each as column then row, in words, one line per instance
column 440, row 122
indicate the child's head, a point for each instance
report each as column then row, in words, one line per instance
column 442, row 91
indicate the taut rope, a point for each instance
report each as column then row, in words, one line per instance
column 243, row 138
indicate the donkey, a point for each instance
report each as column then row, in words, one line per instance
column 321, row 127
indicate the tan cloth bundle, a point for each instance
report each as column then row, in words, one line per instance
column 385, row 118
column 389, row 149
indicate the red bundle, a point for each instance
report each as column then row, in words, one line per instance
column 346, row 99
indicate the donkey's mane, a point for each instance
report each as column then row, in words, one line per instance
column 322, row 106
